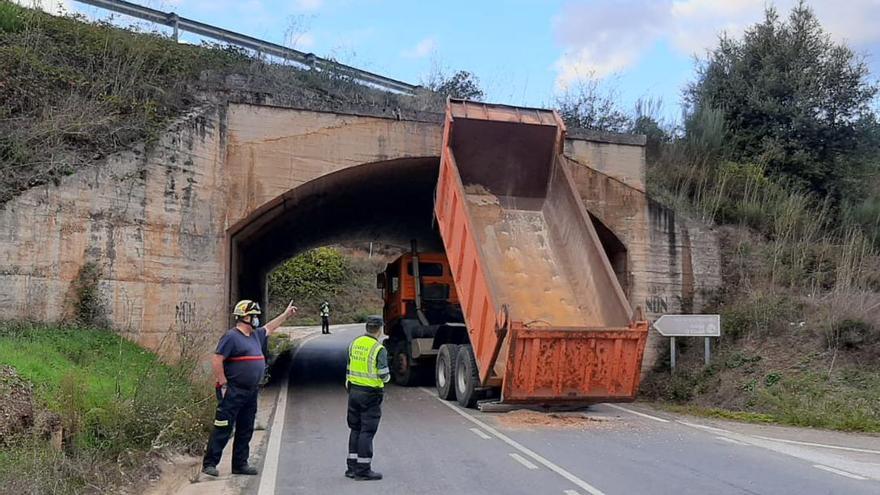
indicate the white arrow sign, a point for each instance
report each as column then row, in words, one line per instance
column 689, row 325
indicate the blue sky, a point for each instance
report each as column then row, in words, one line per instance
column 523, row 51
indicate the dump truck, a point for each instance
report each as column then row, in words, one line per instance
column 419, row 317
column 542, row 317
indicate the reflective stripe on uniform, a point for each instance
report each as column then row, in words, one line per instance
column 374, row 353
column 221, row 422
column 245, row 358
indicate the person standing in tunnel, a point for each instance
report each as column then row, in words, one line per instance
column 365, row 380
column 239, row 364
column 325, row 318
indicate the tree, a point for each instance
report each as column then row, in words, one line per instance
column 589, row 105
column 315, row 274
column 792, row 100
column 462, row 84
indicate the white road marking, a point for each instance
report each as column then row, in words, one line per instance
column 513, row 443
column 785, row 447
column 838, row 471
column 522, row 460
column 821, row 445
column 637, row 413
column 703, row 427
column 730, row 440
column 571, row 492
column 480, row 434
column 273, row 450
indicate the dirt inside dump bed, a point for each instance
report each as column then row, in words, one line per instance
column 522, row 267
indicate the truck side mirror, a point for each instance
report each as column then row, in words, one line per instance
column 380, row 281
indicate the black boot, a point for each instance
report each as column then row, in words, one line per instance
column 211, row 471
column 364, row 473
column 245, row 469
column 352, row 466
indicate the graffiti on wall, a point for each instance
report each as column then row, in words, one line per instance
column 659, row 301
column 185, row 312
column 657, row 304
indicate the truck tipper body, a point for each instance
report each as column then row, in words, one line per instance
column 546, row 318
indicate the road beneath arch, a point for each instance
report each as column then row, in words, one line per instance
column 428, row 446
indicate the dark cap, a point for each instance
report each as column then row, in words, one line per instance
column 375, row 321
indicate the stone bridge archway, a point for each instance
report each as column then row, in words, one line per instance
column 389, row 201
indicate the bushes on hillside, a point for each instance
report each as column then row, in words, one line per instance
column 71, row 91
column 344, row 278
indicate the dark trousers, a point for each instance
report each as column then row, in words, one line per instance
column 234, row 411
column 364, row 413
column 325, row 324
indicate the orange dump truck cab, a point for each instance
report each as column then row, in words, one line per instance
column 546, row 320
column 419, row 317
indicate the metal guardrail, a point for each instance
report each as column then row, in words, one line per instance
column 309, row 60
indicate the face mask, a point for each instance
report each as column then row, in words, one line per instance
column 255, row 321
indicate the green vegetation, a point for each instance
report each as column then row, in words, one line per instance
column 793, row 100
column 712, row 412
column 71, row 92
column 847, row 399
column 117, row 403
column 780, row 148
column 461, row 84
column 346, row 278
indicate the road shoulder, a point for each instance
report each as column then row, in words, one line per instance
column 181, row 474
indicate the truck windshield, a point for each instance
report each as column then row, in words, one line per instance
column 426, row 269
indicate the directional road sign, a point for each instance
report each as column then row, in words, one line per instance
column 689, row 325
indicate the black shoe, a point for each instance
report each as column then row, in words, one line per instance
column 368, row 475
column 247, row 470
column 211, row 471
column 349, row 473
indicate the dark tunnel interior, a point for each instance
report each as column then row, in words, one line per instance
column 616, row 252
column 389, row 202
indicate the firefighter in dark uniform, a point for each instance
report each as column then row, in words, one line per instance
column 239, row 365
column 365, row 380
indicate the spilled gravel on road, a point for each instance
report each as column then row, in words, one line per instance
column 525, row 419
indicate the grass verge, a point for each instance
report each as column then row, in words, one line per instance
column 118, row 404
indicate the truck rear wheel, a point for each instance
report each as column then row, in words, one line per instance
column 445, row 371
column 466, row 376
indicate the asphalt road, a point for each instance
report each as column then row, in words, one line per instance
column 428, row 446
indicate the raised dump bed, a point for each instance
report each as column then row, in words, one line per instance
column 546, row 317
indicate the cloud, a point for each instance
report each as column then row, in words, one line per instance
column 422, row 49
column 308, row 5
column 605, row 36
column 602, row 37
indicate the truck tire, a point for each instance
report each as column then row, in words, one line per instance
column 444, row 373
column 466, row 376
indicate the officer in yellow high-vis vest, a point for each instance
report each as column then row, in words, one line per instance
column 365, row 380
